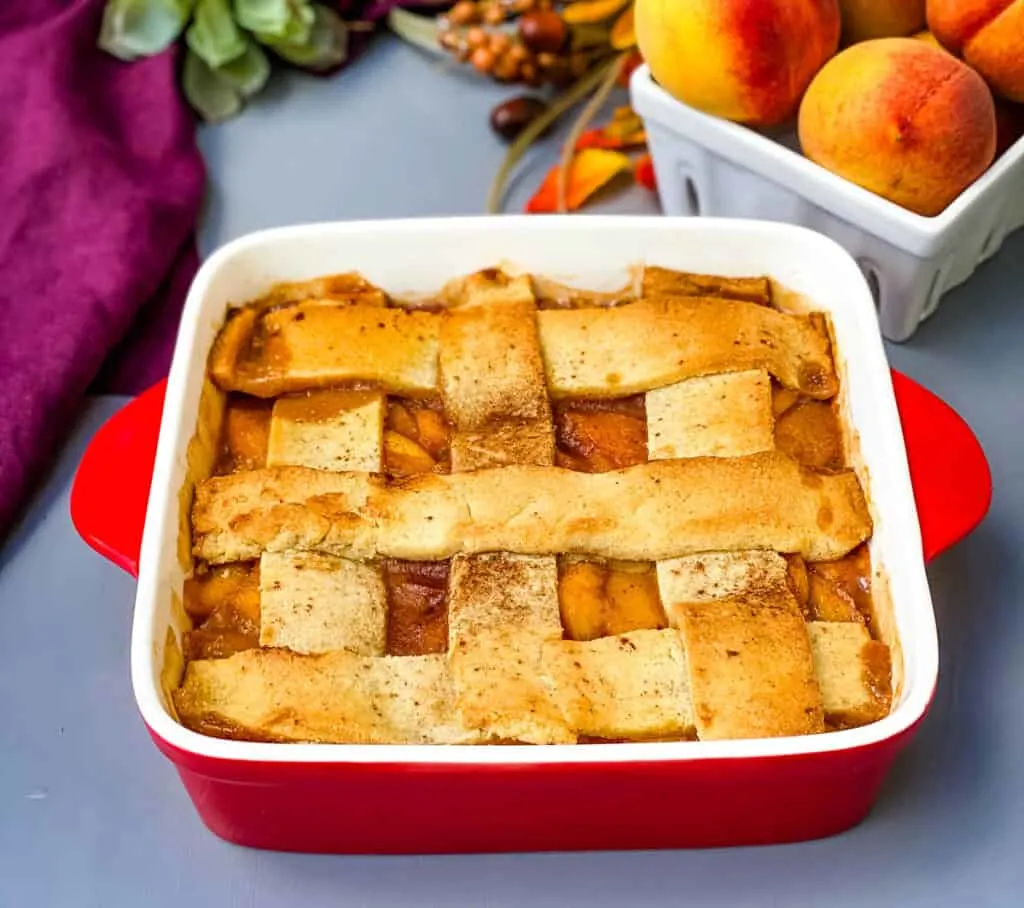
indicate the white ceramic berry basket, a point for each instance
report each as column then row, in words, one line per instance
column 705, row 165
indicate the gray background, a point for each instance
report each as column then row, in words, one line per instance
column 92, row 815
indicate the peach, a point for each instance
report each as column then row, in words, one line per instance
column 743, row 60
column 866, row 19
column 928, row 38
column 989, row 34
column 902, row 119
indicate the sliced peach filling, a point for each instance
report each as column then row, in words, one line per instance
column 224, row 604
column 601, row 599
column 807, row 430
column 841, row 590
column 417, row 607
column 416, row 438
column 591, row 436
column 596, row 436
column 244, row 434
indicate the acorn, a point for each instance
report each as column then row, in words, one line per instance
column 511, row 117
column 543, row 31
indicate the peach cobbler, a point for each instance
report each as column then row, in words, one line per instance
column 518, row 512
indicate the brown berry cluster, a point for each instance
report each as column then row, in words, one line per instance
column 537, row 54
column 491, row 12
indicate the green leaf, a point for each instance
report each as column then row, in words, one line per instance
column 218, row 93
column 326, row 47
column 419, row 31
column 289, row 20
column 211, row 93
column 141, row 28
column 297, row 28
column 249, row 72
column 214, row 35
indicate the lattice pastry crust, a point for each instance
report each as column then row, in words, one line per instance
column 735, row 648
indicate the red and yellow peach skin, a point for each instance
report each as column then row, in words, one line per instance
column 928, row 38
column 989, row 34
column 744, row 60
column 902, row 119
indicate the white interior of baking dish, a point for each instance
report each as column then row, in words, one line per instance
column 418, row 256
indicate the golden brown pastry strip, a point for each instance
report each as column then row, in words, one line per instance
column 631, row 686
column 501, row 693
column 349, row 288
column 490, row 287
column 316, row 603
column 501, row 608
column 523, row 688
column 657, row 281
column 329, row 430
column 501, row 591
column 490, row 366
column 336, row 697
column 751, row 669
column 645, row 513
column 313, row 345
column 710, row 576
column 661, row 340
column 587, row 352
column 854, row 672
column 492, row 382
column 711, row 416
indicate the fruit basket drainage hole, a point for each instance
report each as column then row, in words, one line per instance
column 692, row 197
column 871, row 275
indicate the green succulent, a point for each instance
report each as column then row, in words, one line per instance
column 225, row 62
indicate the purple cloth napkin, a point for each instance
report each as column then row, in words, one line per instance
column 100, row 188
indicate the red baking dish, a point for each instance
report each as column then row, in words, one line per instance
column 398, row 798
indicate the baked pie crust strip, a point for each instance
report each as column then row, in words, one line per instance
column 644, row 513
column 594, row 352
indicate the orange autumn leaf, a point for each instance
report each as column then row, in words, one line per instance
column 592, row 138
column 625, row 122
column 588, row 12
column 624, row 130
column 600, row 138
column 591, row 169
column 643, row 171
column 623, row 34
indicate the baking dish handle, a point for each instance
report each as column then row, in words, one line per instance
column 952, row 482
column 111, row 487
column 951, row 477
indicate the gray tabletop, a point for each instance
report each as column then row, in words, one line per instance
column 92, row 815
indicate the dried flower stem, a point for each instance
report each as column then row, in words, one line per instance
column 562, row 103
column 420, row 31
column 588, row 113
